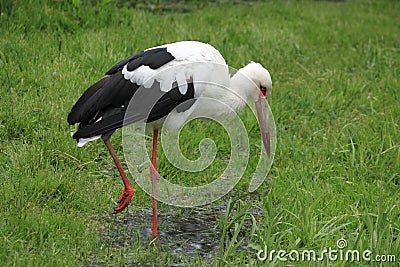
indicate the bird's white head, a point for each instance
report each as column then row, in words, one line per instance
column 260, row 77
column 254, row 81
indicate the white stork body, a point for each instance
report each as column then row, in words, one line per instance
column 173, row 79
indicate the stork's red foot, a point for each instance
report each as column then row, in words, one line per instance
column 124, row 200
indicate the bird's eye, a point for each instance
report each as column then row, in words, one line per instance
column 263, row 88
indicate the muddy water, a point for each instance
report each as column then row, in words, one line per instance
column 191, row 232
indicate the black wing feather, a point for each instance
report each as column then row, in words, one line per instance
column 154, row 58
column 149, row 104
column 102, row 108
column 117, row 67
column 76, row 112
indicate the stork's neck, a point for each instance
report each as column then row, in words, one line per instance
column 242, row 86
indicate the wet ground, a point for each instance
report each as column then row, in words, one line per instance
column 193, row 233
column 187, row 232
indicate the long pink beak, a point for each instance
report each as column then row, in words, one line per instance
column 263, row 122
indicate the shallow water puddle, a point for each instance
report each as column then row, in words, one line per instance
column 190, row 232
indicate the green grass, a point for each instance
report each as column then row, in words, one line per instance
column 336, row 103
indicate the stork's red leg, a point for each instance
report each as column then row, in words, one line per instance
column 128, row 192
column 154, row 178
